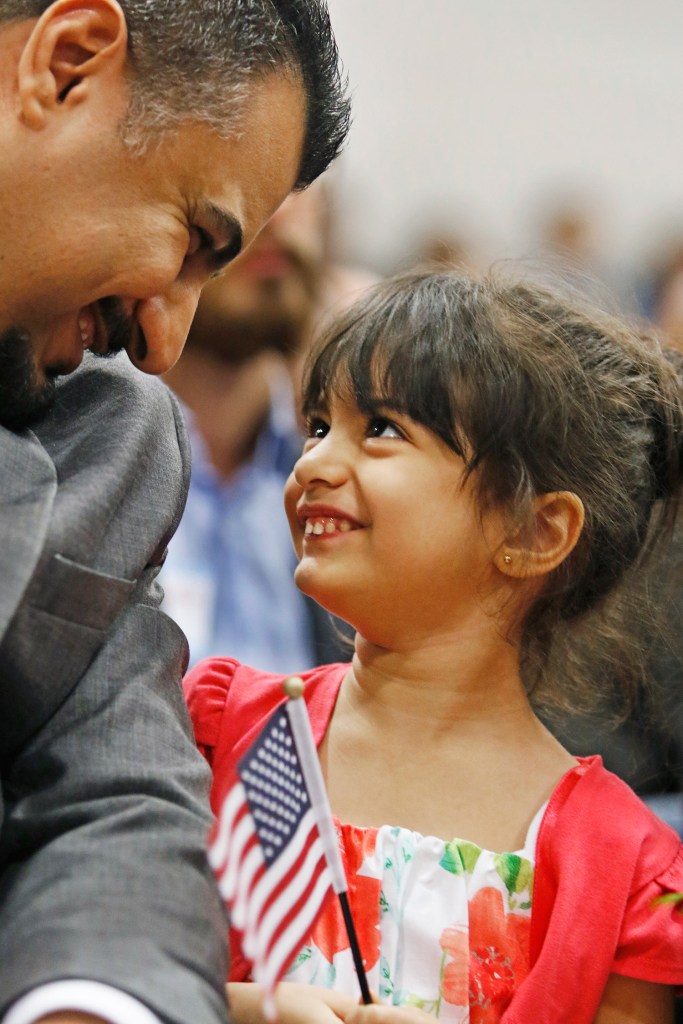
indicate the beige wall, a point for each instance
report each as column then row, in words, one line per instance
column 484, row 108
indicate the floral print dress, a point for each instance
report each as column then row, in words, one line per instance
column 441, row 925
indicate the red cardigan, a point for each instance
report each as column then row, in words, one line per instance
column 585, row 923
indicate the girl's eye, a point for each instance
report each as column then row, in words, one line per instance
column 380, row 426
column 316, row 428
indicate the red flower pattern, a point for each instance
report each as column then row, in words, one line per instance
column 486, row 967
column 329, row 931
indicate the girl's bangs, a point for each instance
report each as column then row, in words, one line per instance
column 385, row 358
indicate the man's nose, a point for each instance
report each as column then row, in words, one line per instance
column 164, row 322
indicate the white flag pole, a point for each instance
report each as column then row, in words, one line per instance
column 320, row 805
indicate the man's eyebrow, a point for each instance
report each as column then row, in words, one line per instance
column 228, row 235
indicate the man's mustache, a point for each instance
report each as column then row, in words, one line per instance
column 120, row 327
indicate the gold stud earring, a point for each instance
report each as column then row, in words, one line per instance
column 507, row 559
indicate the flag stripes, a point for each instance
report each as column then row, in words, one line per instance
column 268, row 856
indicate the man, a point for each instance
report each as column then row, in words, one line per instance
column 143, row 145
column 229, row 576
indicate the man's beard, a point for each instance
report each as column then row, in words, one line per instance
column 243, row 338
column 275, row 322
column 23, row 398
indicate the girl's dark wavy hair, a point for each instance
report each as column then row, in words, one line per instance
column 536, row 392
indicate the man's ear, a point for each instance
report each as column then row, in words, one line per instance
column 547, row 540
column 71, row 42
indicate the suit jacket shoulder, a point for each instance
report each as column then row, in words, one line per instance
column 108, row 469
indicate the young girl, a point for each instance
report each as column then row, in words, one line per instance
column 487, row 466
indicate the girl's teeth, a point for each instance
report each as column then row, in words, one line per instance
column 329, row 526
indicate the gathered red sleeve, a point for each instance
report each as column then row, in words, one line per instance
column 602, row 859
column 651, row 940
column 230, row 703
column 206, row 689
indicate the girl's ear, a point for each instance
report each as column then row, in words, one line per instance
column 547, row 540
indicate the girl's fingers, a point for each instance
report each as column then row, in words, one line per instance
column 381, row 1014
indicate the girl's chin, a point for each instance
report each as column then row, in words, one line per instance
column 311, row 584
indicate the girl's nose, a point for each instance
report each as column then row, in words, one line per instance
column 324, row 461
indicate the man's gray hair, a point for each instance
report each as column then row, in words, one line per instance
column 195, row 60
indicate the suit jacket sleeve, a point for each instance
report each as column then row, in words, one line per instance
column 102, row 850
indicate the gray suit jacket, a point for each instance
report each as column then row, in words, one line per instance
column 103, row 872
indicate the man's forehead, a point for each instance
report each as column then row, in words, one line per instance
column 262, row 158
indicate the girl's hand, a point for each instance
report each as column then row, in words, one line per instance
column 630, row 1001
column 296, row 1004
column 380, row 1014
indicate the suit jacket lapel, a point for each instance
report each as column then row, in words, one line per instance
column 28, row 484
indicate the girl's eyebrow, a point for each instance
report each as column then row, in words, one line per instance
column 381, row 404
column 318, row 408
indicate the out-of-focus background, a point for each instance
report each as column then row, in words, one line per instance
column 498, row 129
column 483, row 130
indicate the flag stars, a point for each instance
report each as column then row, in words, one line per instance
column 278, row 759
column 256, row 798
column 267, row 822
column 269, row 829
column 292, row 797
column 275, row 789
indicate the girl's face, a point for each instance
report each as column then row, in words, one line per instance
column 388, row 536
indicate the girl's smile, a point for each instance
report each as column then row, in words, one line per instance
column 324, row 522
column 396, row 493
column 319, row 526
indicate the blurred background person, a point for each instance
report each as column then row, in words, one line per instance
column 228, row 575
column 663, row 300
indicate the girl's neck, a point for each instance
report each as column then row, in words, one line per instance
column 440, row 739
column 439, row 684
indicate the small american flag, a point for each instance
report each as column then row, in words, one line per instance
column 267, row 849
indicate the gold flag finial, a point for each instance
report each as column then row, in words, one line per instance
column 293, row 687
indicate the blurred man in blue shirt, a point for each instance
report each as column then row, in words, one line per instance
column 228, row 577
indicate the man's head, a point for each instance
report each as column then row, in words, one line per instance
column 267, row 299
column 196, row 60
column 147, row 142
